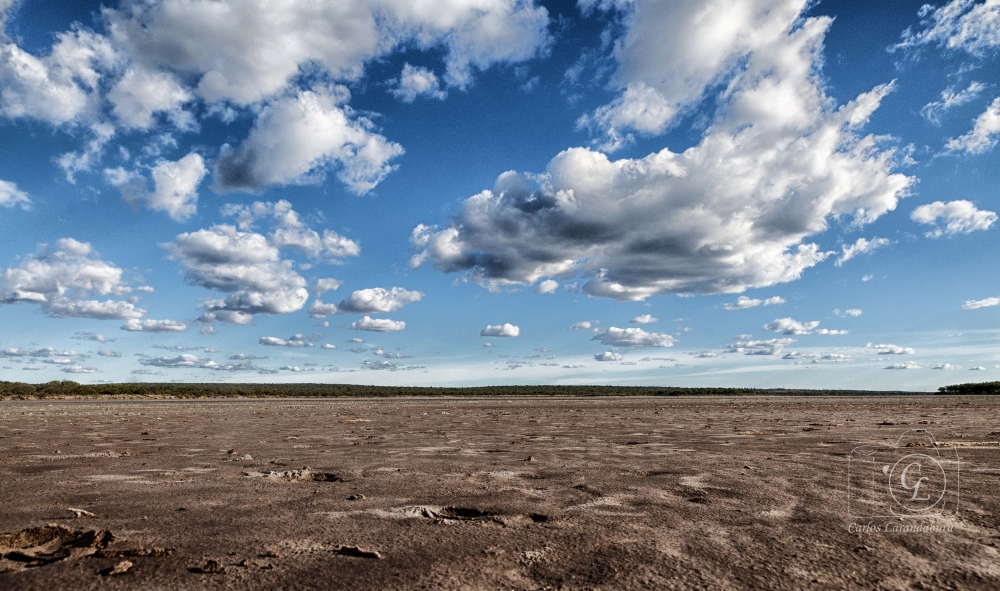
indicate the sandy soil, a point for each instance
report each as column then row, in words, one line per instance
column 638, row 493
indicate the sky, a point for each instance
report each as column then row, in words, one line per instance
column 746, row 193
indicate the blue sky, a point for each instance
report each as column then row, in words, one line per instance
column 766, row 193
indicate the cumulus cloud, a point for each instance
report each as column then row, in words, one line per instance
column 658, row 72
column 108, row 353
column 141, row 93
column 584, row 325
column 890, row 349
column 500, row 330
column 10, row 196
column 644, row 319
column 945, row 366
column 984, row 303
column 296, row 139
column 983, row 135
column 744, row 302
column 860, row 246
column 950, row 99
column 416, row 81
column 378, row 324
column 43, row 352
column 243, row 264
column 378, row 300
column 78, row 369
column 175, row 185
column 549, row 286
column 790, row 326
column 325, row 285
column 296, row 340
column 633, row 337
column 958, row 217
column 289, row 231
column 62, row 277
column 329, row 346
column 57, row 88
column 319, row 309
column 732, row 212
column 184, row 360
column 608, row 356
column 154, row 326
column 759, row 347
column 905, row 365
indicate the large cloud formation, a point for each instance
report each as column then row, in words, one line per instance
column 167, row 62
column 63, row 278
column 732, row 212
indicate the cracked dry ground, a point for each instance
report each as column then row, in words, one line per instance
column 595, row 493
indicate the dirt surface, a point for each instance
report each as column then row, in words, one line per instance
column 607, row 493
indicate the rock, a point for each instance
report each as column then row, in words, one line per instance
column 80, row 513
column 118, row 569
column 211, row 567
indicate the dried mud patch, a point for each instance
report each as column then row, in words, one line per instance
column 39, row 546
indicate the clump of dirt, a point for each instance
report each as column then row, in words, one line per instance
column 303, row 475
column 357, row 552
column 118, row 569
column 39, row 546
column 211, row 567
column 133, row 552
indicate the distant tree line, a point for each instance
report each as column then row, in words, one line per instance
column 69, row 389
column 977, row 389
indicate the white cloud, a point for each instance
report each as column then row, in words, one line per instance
column 985, row 303
column 549, row 286
column 43, row 352
column 325, row 285
column 608, row 356
column 141, row 93
column 378, row 324
column 950, row 99
column 983, row 135
column 78, row 369
column 500, row 330
column 296, row 139
column 247, row 51
column 759, row 347
column 288, row 231
column 977, row 368
column 319, row 309
column 10, row 196
column 852, row 312
column 154, row 326
column 175, row 186
column 861, row 246
column 959, row 217
column 633, row 337
column 296, row 340
column 184, row 360
column 61, row 278
column 744, row 302
column 946, row 366
column 790, row 326
column 244, row 265
column 734, row 211
column 377, row 300
column 329, row 346
column 644, row 319
column 828, row 331
column 905, row 365
column 57, row 88
column 415, row 81
column 673, row 51
column 973, row 27
column 584, row 325
column 890, row 349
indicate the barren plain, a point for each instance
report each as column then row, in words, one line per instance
column 498, row 493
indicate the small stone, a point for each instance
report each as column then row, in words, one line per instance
column 211, row 567
column 118, row 569
column 356, row 498
column 80, row 513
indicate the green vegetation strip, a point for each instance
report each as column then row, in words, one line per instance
column 73, row 390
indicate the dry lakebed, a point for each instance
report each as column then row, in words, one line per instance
column 749, row 492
